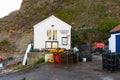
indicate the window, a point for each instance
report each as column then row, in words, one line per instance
column 51, row 44
column 49, row 34
column 52, row 34
column 54, row 44
column 64, row 40
column 48, row 44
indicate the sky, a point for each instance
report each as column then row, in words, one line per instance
column 7, row 6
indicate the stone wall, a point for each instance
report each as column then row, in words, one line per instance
column 33, row 57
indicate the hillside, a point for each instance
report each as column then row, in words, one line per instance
column 16, row 29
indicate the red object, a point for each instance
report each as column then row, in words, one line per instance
column 117, row 28
column 56, row 58
column 99, row 45
column 1, row 60
column 68, row 35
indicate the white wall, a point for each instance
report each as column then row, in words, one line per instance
column 40, row 32
column 112, row 42
column 64, row 35
column 39, row 37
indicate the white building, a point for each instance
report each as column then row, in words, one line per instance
column 114, row 40
column 52, row 33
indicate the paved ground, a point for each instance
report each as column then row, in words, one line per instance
column 80, row 71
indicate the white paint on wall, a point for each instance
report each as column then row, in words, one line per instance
column 112, row 42
column 40, row 32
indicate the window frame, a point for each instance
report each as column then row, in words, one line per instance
column 64, row 41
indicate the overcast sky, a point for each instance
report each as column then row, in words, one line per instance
column 7, row 6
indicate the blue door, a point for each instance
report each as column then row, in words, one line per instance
column 117, row 43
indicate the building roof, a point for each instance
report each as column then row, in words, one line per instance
column 116, row 29
column 51, row 18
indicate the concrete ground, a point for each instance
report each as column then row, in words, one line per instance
column 79, row 71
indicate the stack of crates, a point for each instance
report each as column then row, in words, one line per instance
column 118, row 60
column 110, row 61
column 75, row 58
column 104, row 60
column 68, row 57
column 63, row 58
column 80, row 57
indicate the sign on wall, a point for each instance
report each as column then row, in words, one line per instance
column 64, row 31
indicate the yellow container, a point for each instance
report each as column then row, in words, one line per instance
column 61, row 50
column 49, row 58
column 56, row 50
column 53, row 50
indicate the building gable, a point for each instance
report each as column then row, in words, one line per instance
column 52, row 18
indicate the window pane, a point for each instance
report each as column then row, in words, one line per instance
column 49, row 34
column 54, row 45
column 48, row 44
column 54, row 34
column 64, row 40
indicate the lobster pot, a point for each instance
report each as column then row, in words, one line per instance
column 118, row 60
column 80, row 57
column 63, row 58
column 110, row 62
column 104, row 60
column 70, row 58
column 75, row 58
